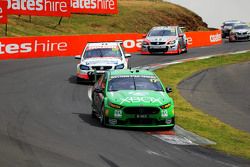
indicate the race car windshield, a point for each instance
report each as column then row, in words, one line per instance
column 241, row 27
column 134, row 83
column 102, row 52
column 169, row 32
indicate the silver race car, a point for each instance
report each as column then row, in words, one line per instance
column 239, row 32
column 166, row 40
column 227, row 27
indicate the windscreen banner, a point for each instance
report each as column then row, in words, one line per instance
column 3, row 12
column 39, row 7
column 94, row 6
column 47, row 46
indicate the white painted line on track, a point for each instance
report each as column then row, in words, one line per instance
column 181, row 136
column 176, row 140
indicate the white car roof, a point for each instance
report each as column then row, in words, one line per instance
column 231, row 21
column 163, row 27
column 240, row 24
column 103, row 44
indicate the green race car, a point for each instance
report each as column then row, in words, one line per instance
column 132, row 98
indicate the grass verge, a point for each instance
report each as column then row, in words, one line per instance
column 134, row 16
column 229, row 140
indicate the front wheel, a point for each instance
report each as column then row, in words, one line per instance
column 103, row 118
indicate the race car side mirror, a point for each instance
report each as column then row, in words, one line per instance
column 127, row 55
column 144, row 35
column 169, row 90
column 98, row 90
column 78, row 57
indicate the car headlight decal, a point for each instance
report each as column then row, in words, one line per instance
column 171, row 42
column 114, row 105
column 120, row 66
column 166, row 106
column 83, row 67
column 145, row 43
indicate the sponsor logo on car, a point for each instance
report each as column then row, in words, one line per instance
column 141, row 99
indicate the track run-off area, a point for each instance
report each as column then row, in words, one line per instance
column 45, row 120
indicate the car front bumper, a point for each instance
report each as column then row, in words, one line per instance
column 166, row 49
column 139, row 119
column 89, row 74
column 239, row 38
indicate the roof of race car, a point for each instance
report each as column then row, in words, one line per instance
column 163, row 27
column 103, row 44
column 131, row 72
column 240, row 24
column 231, row 21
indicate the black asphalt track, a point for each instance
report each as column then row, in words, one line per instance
column 222, row 92
column 45, row 121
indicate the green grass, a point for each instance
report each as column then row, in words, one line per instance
column 134, row 16
column 228, row 139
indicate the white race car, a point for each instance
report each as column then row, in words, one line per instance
column 99, row 57
column 165, row 39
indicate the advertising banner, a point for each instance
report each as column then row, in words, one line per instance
column 3, row 12
column 46, row 46
column 203, row 38
column 94, row 6
column 39, row 7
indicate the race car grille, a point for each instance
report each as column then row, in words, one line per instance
column 157, row 43
column 141, row 121
column 243, row 33
column 141, row 110
column 101, row 67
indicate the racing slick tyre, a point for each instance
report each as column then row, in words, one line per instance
column 78, row 80
column 103, row 118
